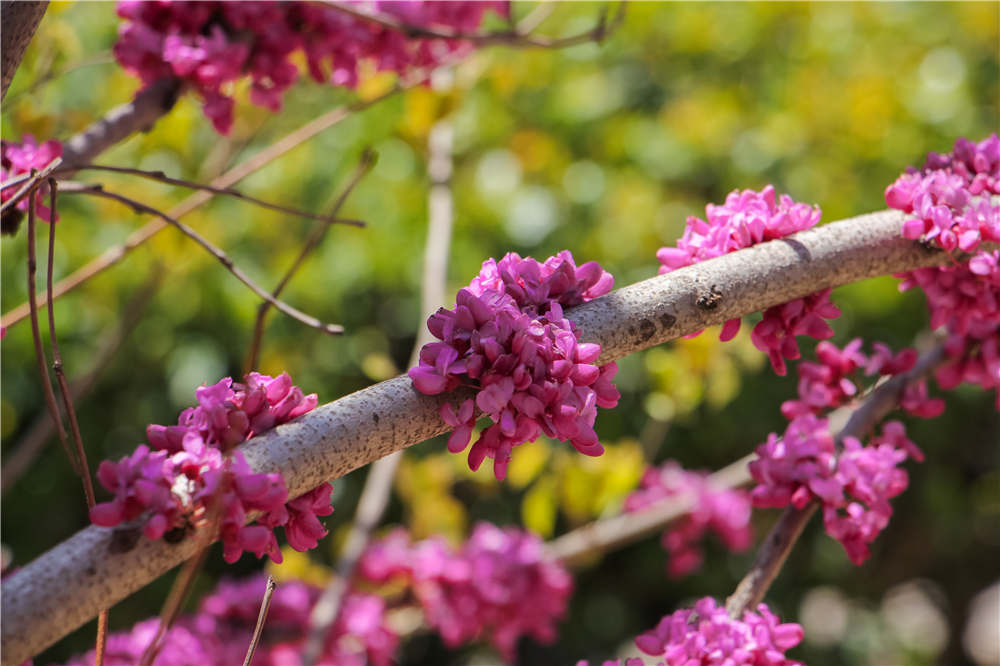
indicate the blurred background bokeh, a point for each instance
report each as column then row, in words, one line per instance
column 602, row 149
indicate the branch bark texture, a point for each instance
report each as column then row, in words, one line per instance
column 20, row 20
column 71, row 583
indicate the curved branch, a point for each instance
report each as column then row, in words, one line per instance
column 20, row 20
column 69, row 584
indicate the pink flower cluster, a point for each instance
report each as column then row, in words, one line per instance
column 726, row 512
column 192, row 468
column 507, row 337
column 499, row 585
column 220, row 631
column 952, row 209
column 20, row 158
column 748, row 218
column 209, row 45
column 707, row 635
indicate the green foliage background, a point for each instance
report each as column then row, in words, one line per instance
column 600, row 149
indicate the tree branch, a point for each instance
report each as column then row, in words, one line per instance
column 20, row 20
column 66, row 586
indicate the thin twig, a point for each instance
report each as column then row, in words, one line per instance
column 43, row 367
column 222, row 257
column 16, row 180
column 113, row 255
column 781, row 539
column 161, row 177
column 57, row 364
column 26, row 451
column 378, row 484
column 265, row 604
column 33, row 178
column 312, row 242
column 67, row 400
column 512, row 38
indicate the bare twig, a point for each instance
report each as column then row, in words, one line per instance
column 378, row 485
column 781, row 539
column 222, row 257
column 113, row 255
column 265, row 604
column 20, row 20
column 27, row 450
column 49, row 596
column 57, row 365
column 43, row 368
column 314, row 240
column 161, row 177
column 514, row 38
column 34, row 177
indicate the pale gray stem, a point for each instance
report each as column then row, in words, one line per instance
column 68, row 585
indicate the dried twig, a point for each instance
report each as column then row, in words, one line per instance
column 781, row 539
column 312, row 242
column 265, row 605
column 161, row 177
column 514, row 37
column 222, row 257
column 34, row 177
column 113, row 255
column 26, row 451
column 43, row 367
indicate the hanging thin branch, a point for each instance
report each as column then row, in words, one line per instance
column 222, row 257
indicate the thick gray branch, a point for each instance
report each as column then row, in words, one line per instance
column 119, row 123
column 20, row 20
column 71, row 583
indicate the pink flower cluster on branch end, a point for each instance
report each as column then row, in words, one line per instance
column 726, row 512
column 745, row 219
column 952, row 209
column 499, row 585
column 507, row 337
column 192, row 470
column 209, row 45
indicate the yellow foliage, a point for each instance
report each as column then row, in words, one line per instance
column 298, row 566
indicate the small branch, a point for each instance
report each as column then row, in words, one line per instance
column 222, row 257
column 315, row 239
column 265, row 605
column 43, row 368
column 513, row 38
column 20, row 20
column 161, row 177
column 57, row 364
column 113, row 255
column 574, row 548
column 26, row 451
column 49, row 597
column 139, row 115
column 782, row 538
column 378, row 485
column 30, row 182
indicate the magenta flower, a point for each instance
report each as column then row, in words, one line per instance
column 707, row 635
column 20, row 158
column 209, row 45
column 726, row 512
column 508, row 338
column 194, row 465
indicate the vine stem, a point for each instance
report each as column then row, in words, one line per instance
column 777, row 545
column 265, row 605
column 69, row 584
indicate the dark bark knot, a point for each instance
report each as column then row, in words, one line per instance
column 710, row 300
